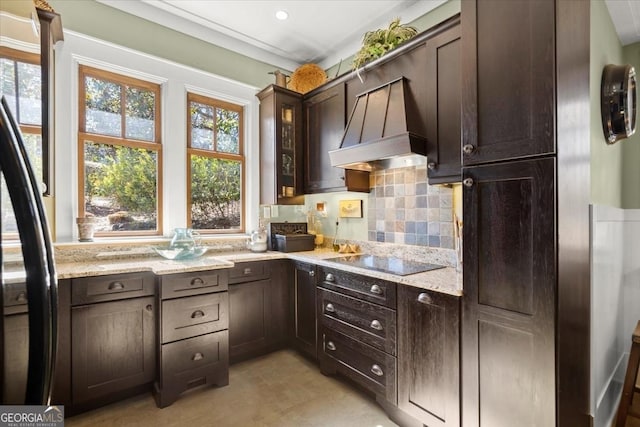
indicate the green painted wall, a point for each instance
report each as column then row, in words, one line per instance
column 106, row 23
column 631, row 146
column 439, row 14
column 606, row 160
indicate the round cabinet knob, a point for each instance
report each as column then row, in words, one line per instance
column 424, row 298
column 468, row 149
column 331, row 346
column 329, row 308
column 312, row 273
column 468, row 182
column 375, row 324
column 329, row 278
column 431, row 165
column 21, row 298
column 197, row 356
column 375, row 289
column 377, row 370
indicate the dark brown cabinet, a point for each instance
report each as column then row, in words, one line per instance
column 257, row 309
column 16, row 332
column 303, row 301
column 193, row 333
column 429, row 356
column 357, row 337
column 325, row 118
column 509, row 300
column 509, row 79
column 113, row 346
column 281, row 178
column 444, row 109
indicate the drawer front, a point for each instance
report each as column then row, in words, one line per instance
column 193, row 316
column 367, row 288
column 371, row 368
column 195, row 353
column 182, row 285
column 248, row 272
column 88, row 290
column 370, row 323
column 14, row 294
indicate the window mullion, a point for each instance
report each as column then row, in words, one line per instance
column 16, row 80
column 123, row 112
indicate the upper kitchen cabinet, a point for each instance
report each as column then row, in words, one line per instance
column 508, row 58
column 325, row 121
column 444, row 107
column 280, row 146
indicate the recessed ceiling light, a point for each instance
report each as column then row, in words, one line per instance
column 282, row 15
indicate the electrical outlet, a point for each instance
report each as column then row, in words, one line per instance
column 266, row 212
column 274, row 211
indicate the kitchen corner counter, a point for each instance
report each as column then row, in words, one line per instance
column 446, row 280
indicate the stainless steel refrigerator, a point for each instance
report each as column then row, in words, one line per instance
column 37, row 276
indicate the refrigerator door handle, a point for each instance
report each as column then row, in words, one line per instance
column 37, row 253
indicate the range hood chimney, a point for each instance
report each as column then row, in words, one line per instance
column 384, row 131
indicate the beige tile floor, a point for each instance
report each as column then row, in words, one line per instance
column 280, row 389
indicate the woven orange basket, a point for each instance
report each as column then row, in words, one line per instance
column 306, row 78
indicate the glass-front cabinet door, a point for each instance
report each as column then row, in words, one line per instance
column 280, row 146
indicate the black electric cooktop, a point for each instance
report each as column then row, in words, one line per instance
column 391, row 265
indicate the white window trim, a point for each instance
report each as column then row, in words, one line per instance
column 176, row 80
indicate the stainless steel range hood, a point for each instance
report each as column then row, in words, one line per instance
column 383, row 131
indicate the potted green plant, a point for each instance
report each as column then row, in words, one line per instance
column 377, row 43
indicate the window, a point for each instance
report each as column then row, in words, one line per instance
column 120, row 154
column 215, row 165
column 20, row 84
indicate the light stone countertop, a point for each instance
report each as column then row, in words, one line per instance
column 445, row 280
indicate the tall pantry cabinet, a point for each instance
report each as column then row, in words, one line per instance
column 524, row 85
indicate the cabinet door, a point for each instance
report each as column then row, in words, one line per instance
column 508, row 54
column 325, row 119
column 249, row 316
column 16, row 338
column 304, row 308
column 113, row 347
column 429, row 356
column 508, row 317
column 280, row 146
column 444, row 107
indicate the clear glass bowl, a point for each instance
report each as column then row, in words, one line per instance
column 181, row 253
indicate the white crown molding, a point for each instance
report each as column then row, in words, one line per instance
column 159, row 13
column 19, row 45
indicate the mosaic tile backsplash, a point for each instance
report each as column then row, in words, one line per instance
column 404, row 209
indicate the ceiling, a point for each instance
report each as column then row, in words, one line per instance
column 625, row 15
column 322, row 32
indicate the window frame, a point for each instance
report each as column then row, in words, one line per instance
column 212, row 154
column 155, row 145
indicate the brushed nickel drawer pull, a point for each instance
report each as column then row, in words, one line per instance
column 375, row 289
column 424, row 298
column 329, row 278
column 197, row 282
column 377, row 370
column 197, row 356
column 116, row 286
column 247, row 271
column 21, row 298
column 375, row 324
column 331, row 346
column 330, row 308
column 197, row 313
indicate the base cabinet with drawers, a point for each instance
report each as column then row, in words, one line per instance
column 258, row 300
column 193, row 333
column 112, row 335
column 357, row 330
